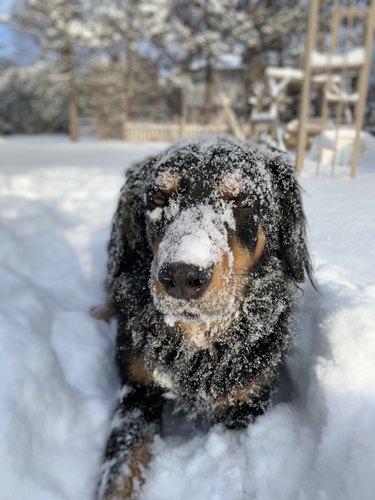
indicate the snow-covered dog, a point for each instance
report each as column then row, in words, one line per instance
column 207, row 249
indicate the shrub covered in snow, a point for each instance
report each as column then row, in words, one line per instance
column 32, row 101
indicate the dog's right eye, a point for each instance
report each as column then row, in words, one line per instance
column 157, row 200
column 239, row 201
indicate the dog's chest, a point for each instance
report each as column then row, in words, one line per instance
column 199, row 398
column 163, row 378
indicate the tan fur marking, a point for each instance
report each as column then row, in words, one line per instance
column 195, row 333
column 244, row 259
column 220, row 271
column 167, row 182
column 230, row 187
column 127, row 487
column 202, row 334
column 138, row 372
column 244, row 394
column 261, row 244
column 159, row 289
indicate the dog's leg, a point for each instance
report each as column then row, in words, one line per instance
column 136, row 420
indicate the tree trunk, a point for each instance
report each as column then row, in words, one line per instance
column 125, row 114
column 128, row 90
column 209, row 80
column 73, row 111
column 254, row 64
column 68, row 57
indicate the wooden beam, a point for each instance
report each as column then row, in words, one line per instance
column 231, row 117
column 352, row 12
column 362, row 89
column 305, row 98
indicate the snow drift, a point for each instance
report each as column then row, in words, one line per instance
column 57, row 380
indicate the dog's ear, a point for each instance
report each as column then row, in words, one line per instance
column 292, row 227
column 128, row 233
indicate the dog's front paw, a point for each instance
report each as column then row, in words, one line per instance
column 128, row 485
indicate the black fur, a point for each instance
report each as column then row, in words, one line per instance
column 260, row 333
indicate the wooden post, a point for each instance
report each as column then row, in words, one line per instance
column 182, row 116
column 125, row 108
column 362, row 89
column 305, row 97
column 327, row 84
column 340, row 104
column 73, row 113
column 208, row 87
column 231, row 117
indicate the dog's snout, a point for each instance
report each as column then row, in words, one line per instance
column 184, row 281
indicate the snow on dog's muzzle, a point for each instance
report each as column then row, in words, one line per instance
column 186, row 263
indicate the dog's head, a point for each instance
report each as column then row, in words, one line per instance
column 206, row 213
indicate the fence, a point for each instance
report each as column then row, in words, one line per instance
column 166, row 132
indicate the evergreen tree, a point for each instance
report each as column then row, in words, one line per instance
column 126, row 29
column 58, row 27
column 32, row 101
column 199, row 32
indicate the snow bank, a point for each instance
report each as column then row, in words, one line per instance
column 342, row 139
column 57, row 378
column 57, row 381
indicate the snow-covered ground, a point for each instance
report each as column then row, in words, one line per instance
column 57, row 379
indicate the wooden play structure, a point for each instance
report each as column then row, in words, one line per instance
column 333, row 86
column 342, row 55
column 266, row 114
column 273, row 99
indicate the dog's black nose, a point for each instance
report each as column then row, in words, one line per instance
column 184, row 281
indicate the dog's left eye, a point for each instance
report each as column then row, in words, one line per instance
column 241, row 204
column 157, row 200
